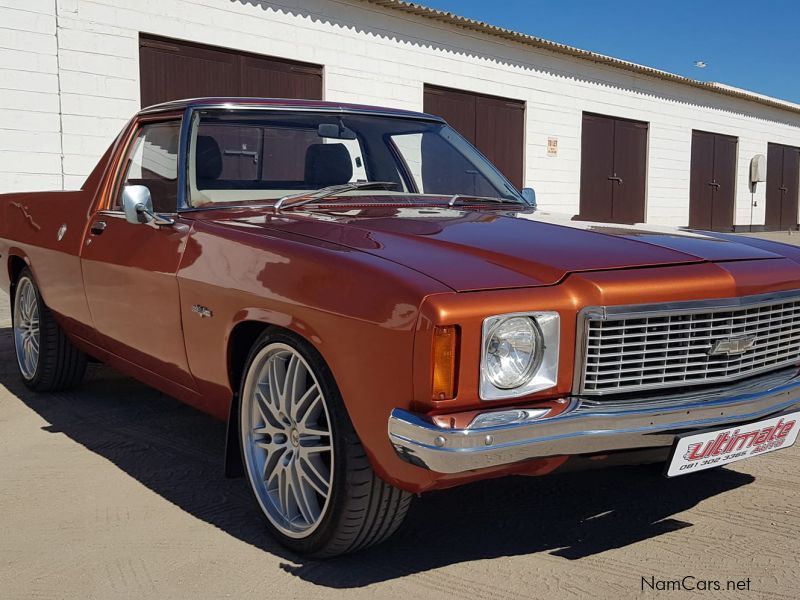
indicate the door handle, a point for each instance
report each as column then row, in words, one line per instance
column 98, row 227
column 783, row 188
column 617, row 179
column 714, row 184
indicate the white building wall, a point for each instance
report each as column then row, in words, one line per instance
column 30, row 140
column 370, row 55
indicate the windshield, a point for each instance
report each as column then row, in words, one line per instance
column 265, row 155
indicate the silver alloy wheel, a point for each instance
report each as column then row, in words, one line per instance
column 26, row 327
column 287, row 441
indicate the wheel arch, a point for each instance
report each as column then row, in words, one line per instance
column 240, row 340
column 241, row 337
column 16, row 264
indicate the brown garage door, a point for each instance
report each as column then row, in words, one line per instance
column 496, row 126
column 783, row 172
column 712, row 185
column 173, row 69
column 613, row 169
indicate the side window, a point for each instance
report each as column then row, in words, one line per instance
column 153, row 162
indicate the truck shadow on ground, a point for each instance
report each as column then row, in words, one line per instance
column 176, row 452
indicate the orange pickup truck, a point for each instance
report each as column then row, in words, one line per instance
column 376, row 312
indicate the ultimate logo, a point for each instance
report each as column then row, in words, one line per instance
column 730, row 442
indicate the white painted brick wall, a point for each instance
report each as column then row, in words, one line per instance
column 370, row 55
column 30, row 142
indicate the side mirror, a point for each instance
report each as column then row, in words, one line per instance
column 138, row 206
column 529, row 195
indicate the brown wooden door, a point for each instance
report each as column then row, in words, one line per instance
column 613, row 169
column 725, row 179
column 500, row 135
column 172, row 70
column 496, row 126
column 597, row 165
column 457, row 108
column 712, row 184
column 701, row 193
column 267, row 77
column 783, row 187
column 791, row 185
column 630, row 166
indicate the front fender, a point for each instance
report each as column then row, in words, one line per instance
column 360, row 312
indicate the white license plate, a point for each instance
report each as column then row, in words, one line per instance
column 699, row 451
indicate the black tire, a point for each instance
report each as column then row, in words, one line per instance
column 60, row 365
column 362, row 510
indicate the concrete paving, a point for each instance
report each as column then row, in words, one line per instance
column 785, row 237
column 116, row 491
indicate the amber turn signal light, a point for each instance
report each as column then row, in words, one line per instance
column 445, row 348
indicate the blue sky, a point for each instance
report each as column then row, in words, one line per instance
column 749, row 44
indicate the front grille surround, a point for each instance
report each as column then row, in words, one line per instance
column 622, row 349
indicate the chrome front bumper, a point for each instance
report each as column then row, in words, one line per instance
column 590, row 426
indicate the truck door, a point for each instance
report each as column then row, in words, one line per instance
column 129, row 270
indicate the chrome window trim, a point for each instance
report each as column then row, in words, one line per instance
column 183, row 160
column 193, row 111
column 673, row 308
column 191, row 107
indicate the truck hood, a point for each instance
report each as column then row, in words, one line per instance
column 471, row 249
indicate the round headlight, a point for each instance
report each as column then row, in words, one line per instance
column 513, row 352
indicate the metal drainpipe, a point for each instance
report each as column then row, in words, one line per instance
column 60, row 111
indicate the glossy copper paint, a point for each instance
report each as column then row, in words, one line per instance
column 127, row 257
column 366, row 289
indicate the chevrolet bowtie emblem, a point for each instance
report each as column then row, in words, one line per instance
column 733, row 346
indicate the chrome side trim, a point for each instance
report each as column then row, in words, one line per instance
column 588, row 426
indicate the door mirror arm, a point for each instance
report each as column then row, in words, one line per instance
column 154, row 218
column 138, row 207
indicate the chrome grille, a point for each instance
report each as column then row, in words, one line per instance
column 647, row 347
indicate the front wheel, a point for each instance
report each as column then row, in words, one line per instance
column 48, row 362
column 305, row 464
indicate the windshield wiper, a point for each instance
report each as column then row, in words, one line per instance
column 466, row 198
column 331, row 190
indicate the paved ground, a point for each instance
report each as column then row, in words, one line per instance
column 115, row 491
column 786, row 237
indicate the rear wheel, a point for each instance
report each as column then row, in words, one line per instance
column 47, row 360
column 305, row 464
